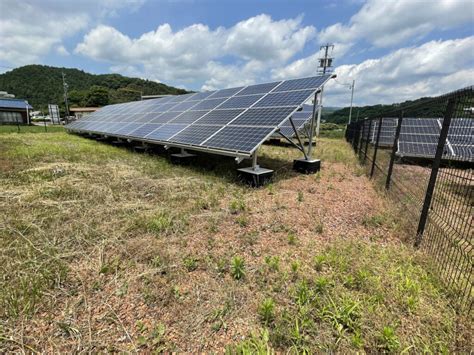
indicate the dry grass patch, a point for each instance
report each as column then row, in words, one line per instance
column 107, row 250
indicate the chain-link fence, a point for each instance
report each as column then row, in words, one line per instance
column 423, row 156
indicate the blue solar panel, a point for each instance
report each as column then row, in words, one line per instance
column 195, row 134
column 208, row 104
column 304, row 83
column 183, row 106
column 249, row 112
column 165, row 132
column 126, row 128
column 201, row 95
column 241, row 101
column 258, row 89
column 225, row 93
column 263, row 116
column 189, row 116
column 165, row 117
column 293, row 98
column 243, row 139
column 145, row 129
column 219, row 117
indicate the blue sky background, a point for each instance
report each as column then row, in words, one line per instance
column 395, row 50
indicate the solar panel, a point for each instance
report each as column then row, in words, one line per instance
column 195, row 134
column 241, row 101
column 263, row 116
column 219, row 117
column 234, row 120
column 258, row 89
column 225, row 93
column 145, row 129
column 243, row 139
column 189, row 117
column 285, row 98
column 165, row 131
column 314, row 82
column 208, row 104
column 300, row 119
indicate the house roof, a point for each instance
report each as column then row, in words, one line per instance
column 14, row 103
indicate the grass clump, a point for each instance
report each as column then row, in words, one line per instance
column 266, row 310
column 237, row 205
column 237, row 267
column 190, row 263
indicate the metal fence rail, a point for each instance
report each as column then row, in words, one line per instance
column 423, row 156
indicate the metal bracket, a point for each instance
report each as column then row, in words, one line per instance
column 239, row 160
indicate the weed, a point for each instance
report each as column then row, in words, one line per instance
column 388, row 340
column 319, row 261
column 319, row 227
column 300, row 196
column 273, row 262
column 237, row 267
column 374, row 221
column 267, row 310
column 161, row 223
column 343, row 315
column 190, row 263
column 321, row 284
column 292, row 239
column 237, row 205
column 221, row 266
column 295, row 266
column 303, row 294
column 242, row 221
column 257, row 344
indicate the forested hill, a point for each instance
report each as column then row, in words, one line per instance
column 342, row 115
column 41, row 85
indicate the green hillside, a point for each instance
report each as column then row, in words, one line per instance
column 342, row 115
column 41, row 85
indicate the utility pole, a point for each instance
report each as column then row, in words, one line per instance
column 325, row 66
column 352, row 99
column 65, row 87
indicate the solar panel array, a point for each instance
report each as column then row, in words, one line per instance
column 419, row 137
column 300, row 119
column 234, row 120
column 387, row 132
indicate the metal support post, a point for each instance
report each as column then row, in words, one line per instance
column 377, row 139
column 320, row 108
column 254, row 161
column 394, row 150
column 434, row 171
column 298, row 138
column 311, row 129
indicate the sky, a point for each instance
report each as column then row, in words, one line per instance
column 395, row 50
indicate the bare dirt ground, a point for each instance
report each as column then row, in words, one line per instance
column 104, row 249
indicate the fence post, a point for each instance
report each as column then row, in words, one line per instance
column 379, row 129
column 361, row 139
column 367, row 141
column 434, row 171
column 394, row 150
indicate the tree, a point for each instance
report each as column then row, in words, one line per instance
column 97, row 96
column 77, row 97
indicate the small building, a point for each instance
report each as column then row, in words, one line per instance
column 14, row 111
column 79, row 112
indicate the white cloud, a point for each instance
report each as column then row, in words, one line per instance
column 385, row 23
column 29, row 29
column 62, row 51
column 433, row 68
column 196, row 53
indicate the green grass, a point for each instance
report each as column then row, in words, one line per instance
column 103, row 248
column 30, row 129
